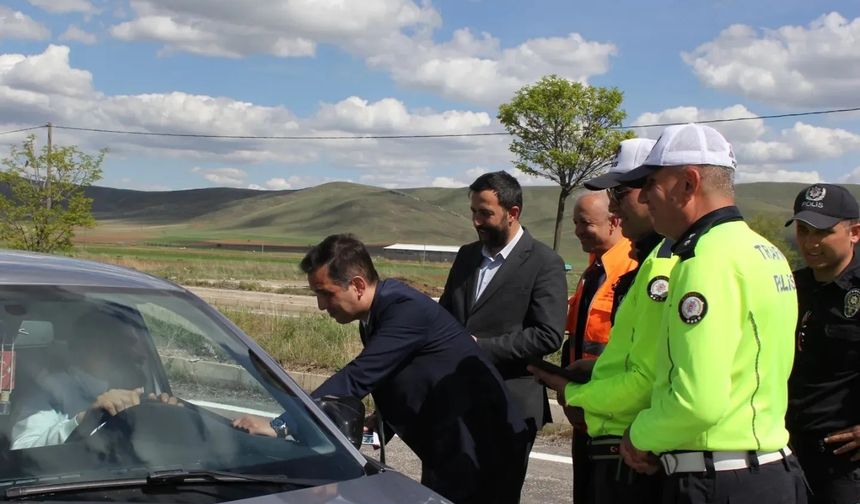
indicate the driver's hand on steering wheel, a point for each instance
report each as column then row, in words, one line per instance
column 113, row 401
column 254, row 424
column 165, row 398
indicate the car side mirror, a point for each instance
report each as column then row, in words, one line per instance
column 347, row 413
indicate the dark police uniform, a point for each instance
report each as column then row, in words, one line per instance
column 824, row 389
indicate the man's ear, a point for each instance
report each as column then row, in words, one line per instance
column 360, row 285
column 514, row 212
column 689, row 184
column 854, row 232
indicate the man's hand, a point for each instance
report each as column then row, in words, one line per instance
column 583, row 367
column 551, row 380
column 166, row 399
column 371, row 424
column 850, row 440
column 116, row 400
column 254, row 424
column 638, row 460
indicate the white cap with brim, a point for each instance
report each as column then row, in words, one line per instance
column 631, row 153
column 681, row 145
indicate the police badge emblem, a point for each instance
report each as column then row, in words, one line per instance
column 692, row 307
column 815, row 193
column 658, row 288
column 852, row 303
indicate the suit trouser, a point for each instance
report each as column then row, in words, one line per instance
column 779, row 482
column 833, row 479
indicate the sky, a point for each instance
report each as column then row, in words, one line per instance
column 355, row 68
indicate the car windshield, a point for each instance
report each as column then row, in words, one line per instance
column 193, row 374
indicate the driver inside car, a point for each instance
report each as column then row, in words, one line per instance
column 104, row 375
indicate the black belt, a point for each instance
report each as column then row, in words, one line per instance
column 604, row 448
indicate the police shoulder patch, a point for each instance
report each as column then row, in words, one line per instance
column 658, row 288
column 852, row 303
column 693, row 307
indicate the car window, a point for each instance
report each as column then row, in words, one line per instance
column 185, row 373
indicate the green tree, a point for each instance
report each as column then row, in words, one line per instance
column 564, row 131
column 42, row 197
column 772, row 228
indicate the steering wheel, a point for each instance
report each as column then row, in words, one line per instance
column 150, row 417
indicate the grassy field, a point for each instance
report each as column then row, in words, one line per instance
column 245, row 269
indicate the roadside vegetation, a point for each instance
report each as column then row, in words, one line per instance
column 309, row 343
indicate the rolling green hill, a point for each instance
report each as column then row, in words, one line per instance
column 378, row 216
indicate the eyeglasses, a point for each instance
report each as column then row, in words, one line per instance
column 617, row 193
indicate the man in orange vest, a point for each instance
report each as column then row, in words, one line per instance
column 589, row 316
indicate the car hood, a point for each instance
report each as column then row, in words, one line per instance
column 383, row 488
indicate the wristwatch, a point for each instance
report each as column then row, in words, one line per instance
column 280, row 427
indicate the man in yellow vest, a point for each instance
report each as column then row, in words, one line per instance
column 623, row 375
column 590, row 308
column 726, row 340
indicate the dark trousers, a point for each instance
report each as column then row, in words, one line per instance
column 833, row 479
column 778, row 482
column 582, row 467
column 613, row 482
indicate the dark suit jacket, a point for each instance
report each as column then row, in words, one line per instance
column 439, row 393
column 520, row 314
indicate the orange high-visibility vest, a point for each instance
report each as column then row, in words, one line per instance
column 617, row 261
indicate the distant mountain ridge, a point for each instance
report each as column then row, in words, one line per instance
column 377, row 215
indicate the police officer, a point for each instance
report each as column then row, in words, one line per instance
column 824, row 389
column 725, row 348
column 623, row 374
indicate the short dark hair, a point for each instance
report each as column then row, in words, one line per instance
column 345, row 256
column 505, row 186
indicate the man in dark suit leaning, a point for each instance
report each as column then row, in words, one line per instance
column 433, row 386
column 510, row 292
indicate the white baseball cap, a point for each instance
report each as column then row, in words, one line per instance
column 631, row 154
column 681, row 145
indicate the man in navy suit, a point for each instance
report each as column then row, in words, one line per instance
column 428, row 378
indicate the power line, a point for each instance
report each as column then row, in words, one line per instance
column 24, row 129
column 417, row 136
column 276, row 137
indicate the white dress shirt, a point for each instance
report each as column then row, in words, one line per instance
column 491, row 264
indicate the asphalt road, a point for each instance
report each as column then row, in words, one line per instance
column 549, row 479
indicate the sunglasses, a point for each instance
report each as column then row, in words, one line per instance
column 617, row 193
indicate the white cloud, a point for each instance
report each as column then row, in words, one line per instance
column 17, row 25
column 293, row 182
column 768, row 174
column 448, row 182
column 794, row 66
column 64, row 6
column 232, row 177
column 477, row 70
column 393, row 35
column 735, row 131
column 765, row 155
column 48, row 73
column 44, row 87
column 851, row 178
column 73, row 33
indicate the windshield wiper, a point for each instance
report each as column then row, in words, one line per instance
column 166, row 477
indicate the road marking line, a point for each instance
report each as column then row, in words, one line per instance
column 237, row 409
column 551, row 458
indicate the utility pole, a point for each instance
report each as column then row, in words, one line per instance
column 48, row 169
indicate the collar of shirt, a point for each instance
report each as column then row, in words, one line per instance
column 686, row 245
column 846, row 279
column 644, row 246
column 506, row 251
